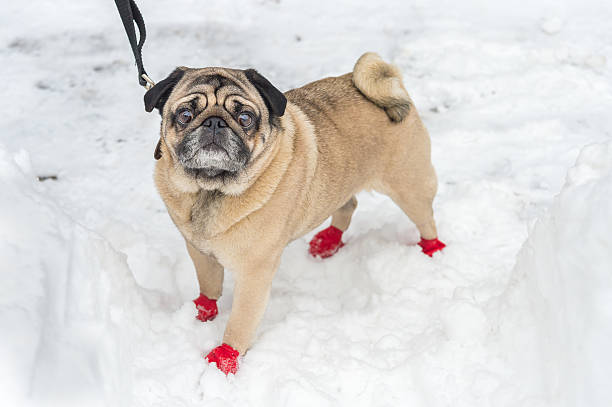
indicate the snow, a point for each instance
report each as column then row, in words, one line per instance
column 564, row 270
column 63, row 296
column 96, row 285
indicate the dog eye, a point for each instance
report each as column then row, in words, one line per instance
column 184, row 116
column 245, row 119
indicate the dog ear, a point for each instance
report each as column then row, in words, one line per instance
column 157, row 96
column 274, row 99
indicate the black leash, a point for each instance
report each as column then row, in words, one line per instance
column 129, row 15
column 128, row 10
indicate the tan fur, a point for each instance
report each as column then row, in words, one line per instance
column 341, row 219
column 382, row 83
column 332, row 142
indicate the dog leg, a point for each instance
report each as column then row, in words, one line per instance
column 251, row 294
column 210, row 278
column 341, row 219
column 327, row 242
column 419, row 210
column 416, row 201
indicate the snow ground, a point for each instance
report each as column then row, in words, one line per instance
column 96, row 285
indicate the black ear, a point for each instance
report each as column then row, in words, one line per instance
column 274, row 98
column 157, row 96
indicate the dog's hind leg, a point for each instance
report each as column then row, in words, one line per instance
column 210, row 279
column 415, row 198
column 327, row 242
column 341, row 219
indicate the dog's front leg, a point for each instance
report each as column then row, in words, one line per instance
column 210, row 279
column 251, row 293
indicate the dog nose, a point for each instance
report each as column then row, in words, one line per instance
column 214, row 122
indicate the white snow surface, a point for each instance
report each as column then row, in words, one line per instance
column 564, row 271
column 96, row 285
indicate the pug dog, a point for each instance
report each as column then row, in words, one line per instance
column 244, row 169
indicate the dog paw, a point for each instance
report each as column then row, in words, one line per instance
column 326, row 243
column 430, row 246
column 207, row 308
column 225, row 357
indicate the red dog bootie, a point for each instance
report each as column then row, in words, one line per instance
column 326, row 243
column 225, row 357
column 207, row 308
column 430, row 246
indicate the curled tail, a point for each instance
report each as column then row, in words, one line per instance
column 382, row 84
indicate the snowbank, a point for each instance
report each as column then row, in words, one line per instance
column 70, row 311
column 564, row 271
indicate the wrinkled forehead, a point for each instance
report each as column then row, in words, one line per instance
column 217, row 84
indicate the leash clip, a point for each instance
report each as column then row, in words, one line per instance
column 149, row 81
column 130, row 15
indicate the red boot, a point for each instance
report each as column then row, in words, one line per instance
column 430, row 246
column 225, row 357
column 326, row 243
column 207, row 308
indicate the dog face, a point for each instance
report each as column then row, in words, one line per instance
column 217, row 124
